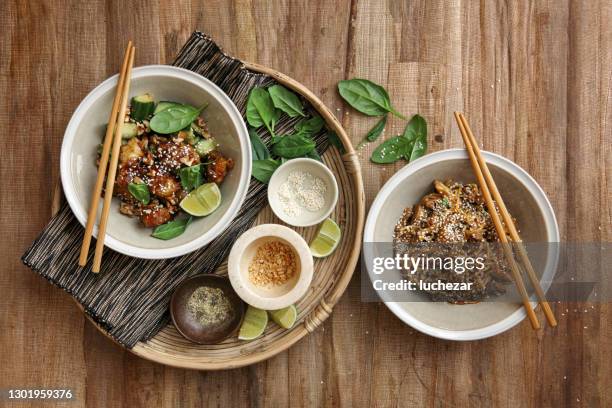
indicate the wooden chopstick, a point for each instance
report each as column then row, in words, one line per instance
column 498, row 225
column 112, row 170
column 108, row 138
column 514, row 235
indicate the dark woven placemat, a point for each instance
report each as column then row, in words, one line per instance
column 130, row 298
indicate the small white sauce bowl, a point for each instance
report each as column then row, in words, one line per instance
column 271, row 297
column 306, row 218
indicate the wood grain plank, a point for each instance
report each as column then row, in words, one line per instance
column 38, row 321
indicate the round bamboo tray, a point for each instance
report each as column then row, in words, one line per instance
column 331, row 275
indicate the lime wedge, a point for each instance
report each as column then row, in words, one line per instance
column 327, row 239
column 285, row 318
column 254, row 323
column 203, row 200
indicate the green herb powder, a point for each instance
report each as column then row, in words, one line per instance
column 209, row 306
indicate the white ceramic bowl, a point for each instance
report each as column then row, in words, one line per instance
column 86, row 130
column 526, row 202
column 273, row 297
column 317, row 169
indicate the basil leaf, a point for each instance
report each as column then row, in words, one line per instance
column 174, row 119
column 259, row 149
column 376, row 131
column 367, row 97
column 335, row 140
column 292, row 146
column 140, row 192
column 263, row 169
column 391, row 150
column 191, row 177
column 171, row 229
column 286, row 101
column 260, row 110
column 310, row 126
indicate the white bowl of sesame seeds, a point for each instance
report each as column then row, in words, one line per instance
column 302, row 192
column 86, row 130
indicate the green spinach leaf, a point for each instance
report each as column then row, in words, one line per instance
column 191, row 177
column 261, row 111
column 391, row 150
column 417, row 149
column 313, row 154
column 377, row 130
column 335, row 141
column 263, row 169
column 171, row 229
column 416, row 133
column 275, row 119
column 276, row 139
column 258, row 147
column 140, row 192
column 416, row 127
column 310, row 126
column 411, row 145
column 174, row 119
column 367, row 97
column 374, row 133
column 252, row 115
column 292, row 146
column 286, row 101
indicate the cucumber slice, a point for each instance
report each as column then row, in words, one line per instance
column 129, row 130
column 163, row 105
column 198, row 130
column 142, row 107
column 205, row 146
column 188, row 136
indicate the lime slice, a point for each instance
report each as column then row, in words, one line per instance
column 285, row 318
column 203, row 200
column 254, row 323
column 327, row 239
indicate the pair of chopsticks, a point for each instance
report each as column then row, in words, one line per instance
column 488, row 187
column 114, row 124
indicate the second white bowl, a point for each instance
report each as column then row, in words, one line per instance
column 526, row 201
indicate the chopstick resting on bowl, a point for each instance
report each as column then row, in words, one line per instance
column 114, row 123
column 509, row 223
column 488, row 186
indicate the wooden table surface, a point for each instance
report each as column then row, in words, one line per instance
column 534, row 78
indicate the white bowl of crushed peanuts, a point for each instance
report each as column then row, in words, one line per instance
column 270, row 267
